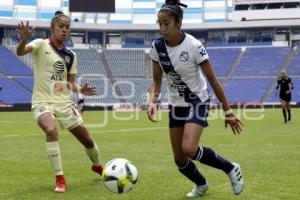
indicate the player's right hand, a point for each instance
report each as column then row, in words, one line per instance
column 24, row 30
column 152, row 112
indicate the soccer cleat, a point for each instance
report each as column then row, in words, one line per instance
column 98, row 169
column 60, row 184
column 197, row 191
column 236, row 179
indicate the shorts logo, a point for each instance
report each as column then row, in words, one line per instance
column 184, row 56
column 42, row 109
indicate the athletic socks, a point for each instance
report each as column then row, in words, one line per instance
column 192, row 173
column 289, row 114
column 54, row 156
column 94, row 154
column 209, row 157
column 284, row 115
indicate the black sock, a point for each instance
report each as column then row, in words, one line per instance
column 284, row 114
column 207, row 156
column 191, row 172
column 289, row 114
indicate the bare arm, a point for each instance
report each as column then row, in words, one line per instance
column 155, row 90
column 156, row 83
column 230, row 118
column 211, row 77
column 85, row 90
column 25, row 32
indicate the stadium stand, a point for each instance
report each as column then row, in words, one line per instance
column 222, row 59
column 11, row 65
column 243, row 90
column 294, row 65
column 263, row 61
column 89, row 62
column 126, row 63
column 11, row 93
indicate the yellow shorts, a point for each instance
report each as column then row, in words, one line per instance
column 65, row 113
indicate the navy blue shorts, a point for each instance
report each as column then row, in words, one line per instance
column 194, row 113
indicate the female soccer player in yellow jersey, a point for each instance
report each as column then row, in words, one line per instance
column 55, row 68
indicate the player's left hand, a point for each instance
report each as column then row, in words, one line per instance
column 88, row 90
column 234, row 122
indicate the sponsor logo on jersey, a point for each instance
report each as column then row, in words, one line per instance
column 59, row 69
column 161, row 54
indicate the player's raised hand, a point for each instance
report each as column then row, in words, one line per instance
column 152, row 112
column 88, row 90
column 234, row 123
column 25, row 30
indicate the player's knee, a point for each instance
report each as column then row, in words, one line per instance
column 51, row 133
column 189, row 150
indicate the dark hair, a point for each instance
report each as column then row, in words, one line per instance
column 57, row 15
column 174, row 9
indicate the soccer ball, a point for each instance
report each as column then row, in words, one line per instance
column 119, row 175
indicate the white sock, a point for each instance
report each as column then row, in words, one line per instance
column 94, row 154
column 54, row 156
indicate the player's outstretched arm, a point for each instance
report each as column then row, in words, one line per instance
column 155, row 90
column 25, row 32
column 230, row 118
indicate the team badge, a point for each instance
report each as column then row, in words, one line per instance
column 184, row 56
column 67, row 59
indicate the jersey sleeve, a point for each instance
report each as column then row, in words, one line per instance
column 153, row 54
column 200, row 52
column 73, row 69
column 36, row 44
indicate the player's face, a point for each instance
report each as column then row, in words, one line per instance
column 168, row 26
column 61, row 29
column 282, row 74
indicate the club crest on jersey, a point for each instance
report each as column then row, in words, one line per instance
column 67, row 59
column 184, row 56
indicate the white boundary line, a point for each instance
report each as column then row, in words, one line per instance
column 91, row 125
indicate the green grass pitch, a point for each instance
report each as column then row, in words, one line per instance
column 268, row 151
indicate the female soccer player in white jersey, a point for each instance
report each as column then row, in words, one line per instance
column 180, row 56
column 55, row 69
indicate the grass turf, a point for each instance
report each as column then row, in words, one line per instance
column 267, row 150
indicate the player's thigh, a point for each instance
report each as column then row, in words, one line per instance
column 68, row 116
column 191, row 137
column 43, row 114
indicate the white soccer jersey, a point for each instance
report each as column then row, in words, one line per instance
column 186, row 83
